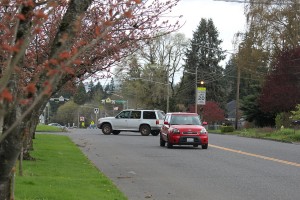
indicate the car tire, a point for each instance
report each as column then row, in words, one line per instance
column 169, row 145
column 145, row 130
column 162, row 142
column 106, row 129
column 154, row 133
column 116, row 132
column 204, row 146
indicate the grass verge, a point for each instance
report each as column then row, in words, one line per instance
column 282, row 135
column 61, row 171
column 46, row 128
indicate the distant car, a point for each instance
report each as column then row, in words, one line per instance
column 183, row 129
column 143, row 121
column 58, row 125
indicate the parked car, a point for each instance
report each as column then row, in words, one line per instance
column 143, row 121
column 58, row 125
column 183, row 129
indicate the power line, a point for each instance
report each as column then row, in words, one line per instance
column 258, row 2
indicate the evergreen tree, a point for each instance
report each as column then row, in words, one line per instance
column 230, row 80
column 111, row 86
column 253, row 112
column 204, row 54
column 247, row 80
column 80, row 96
column 91, row 90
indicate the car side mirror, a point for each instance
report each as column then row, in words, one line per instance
column 204, row 123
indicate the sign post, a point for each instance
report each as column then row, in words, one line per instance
column 96, row 111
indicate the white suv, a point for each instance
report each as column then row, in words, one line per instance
column 143, row 121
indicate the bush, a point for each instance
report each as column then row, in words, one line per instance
column 226, row 129
column 282, row 119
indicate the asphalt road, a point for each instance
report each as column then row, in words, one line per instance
column 232, row 168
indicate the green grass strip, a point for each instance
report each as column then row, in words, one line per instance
column 62, row 172
column 46, row 128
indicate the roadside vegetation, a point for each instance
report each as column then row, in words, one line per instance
column 282, row 135
column 50, row 177
column 46, row 128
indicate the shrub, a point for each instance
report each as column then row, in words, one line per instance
column 282, row 119
column 226, row 129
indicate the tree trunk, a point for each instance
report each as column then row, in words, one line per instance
column 10, row 149
column 29, row 133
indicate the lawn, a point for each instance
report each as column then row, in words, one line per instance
column 61, row 171
column 46, row 128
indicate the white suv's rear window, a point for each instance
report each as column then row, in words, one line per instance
column 161, row 114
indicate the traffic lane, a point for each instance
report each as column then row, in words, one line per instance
column 142, row 169
column 273, row 149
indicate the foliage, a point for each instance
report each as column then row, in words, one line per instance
column 283, row 119
column 151, row 72
column 273, row 26
column 284, row 135
column 226, row 129
column 281, row 91
column 67, row 114
column 44, row 45
column 80, row 96
column 253, row 113
column 248, row 78
column 212, row 113
column 204, row 54
column 73, row 178
column 296, row 113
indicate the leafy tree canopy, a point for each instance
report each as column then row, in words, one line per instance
column 281, row 91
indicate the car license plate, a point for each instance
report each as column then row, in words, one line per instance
column 189, row 139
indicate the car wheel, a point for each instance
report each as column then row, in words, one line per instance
column 116, row 132
column 169, row 145
column 204, row 146
column 145, row 130
column 195, row 145
column 162, row 142
column 106, row 129
column 154, row 133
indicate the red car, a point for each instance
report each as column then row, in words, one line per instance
column 183, row 129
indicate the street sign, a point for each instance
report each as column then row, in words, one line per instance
column 120, row 101
column 96, row 110
column 201, row 95
column 81, row 119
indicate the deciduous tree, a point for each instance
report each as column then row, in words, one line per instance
column 212, row 112
column 44, row 44
column 281, row 91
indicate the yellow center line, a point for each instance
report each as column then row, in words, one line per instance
column 257, row 156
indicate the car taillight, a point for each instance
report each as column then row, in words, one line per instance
column 203, row 131
column 157, row 122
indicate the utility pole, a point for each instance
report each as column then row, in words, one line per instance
column 237, row 96
column 168, row 90
column 196, row 90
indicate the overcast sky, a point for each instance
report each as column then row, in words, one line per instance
column 228, row 18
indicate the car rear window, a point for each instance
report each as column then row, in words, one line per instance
column 149, row 115
column 161, row 114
